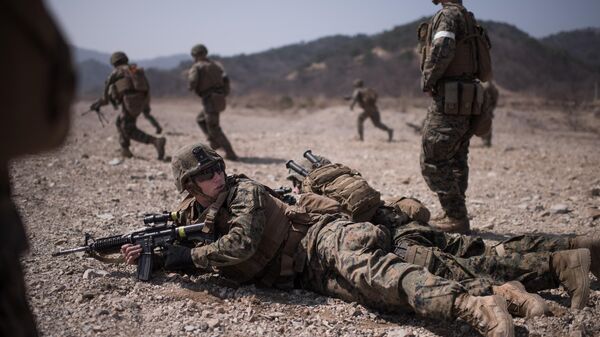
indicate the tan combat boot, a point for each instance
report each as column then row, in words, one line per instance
column 571, row 267
column 159, row 144
column 520, row 302
column 449, row 224
column 487, row 314
column 592, row 242
column 126, row 153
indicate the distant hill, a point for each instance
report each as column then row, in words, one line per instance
column 583, row 44
column 389, row 62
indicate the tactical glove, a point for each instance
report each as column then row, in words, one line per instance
column 178, row 258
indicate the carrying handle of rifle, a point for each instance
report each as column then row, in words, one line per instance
column 145, row 260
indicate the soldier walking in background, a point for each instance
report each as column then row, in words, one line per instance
column 34, row 118
column 128, row 86
column 490, row 101
column 367, row 100
column 455, row 53
column 209, row 81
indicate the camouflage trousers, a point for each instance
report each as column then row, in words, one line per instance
column 16, row 318
column 208, row 120
column 444, row 154
column 352, row 261
column 524, row 258
column 375, row 117
column 126, row 125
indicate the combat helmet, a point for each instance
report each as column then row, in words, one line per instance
column 118, row 58
column 191, row 159
column 199, row 50
column 358, row 83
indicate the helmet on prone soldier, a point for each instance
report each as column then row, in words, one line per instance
column 192, row 159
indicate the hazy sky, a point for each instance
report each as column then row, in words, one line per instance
column 149, row 28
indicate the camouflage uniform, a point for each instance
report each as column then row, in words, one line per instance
column 490, row 101
column 336, row 257
column 133, row 103
column 370, row 110
column 210, row 76
column 445, row 142
column 34, row 117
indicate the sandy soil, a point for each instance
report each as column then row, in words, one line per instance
column 541, row 176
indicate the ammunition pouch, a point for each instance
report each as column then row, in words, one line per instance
column 417, row 255
column 462, row 98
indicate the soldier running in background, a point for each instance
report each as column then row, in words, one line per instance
column 209, row 81
column 490, row 101
column 367, row 100
column 35, row 117
column 128, row 86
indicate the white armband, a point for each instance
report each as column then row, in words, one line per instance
column 444, row 33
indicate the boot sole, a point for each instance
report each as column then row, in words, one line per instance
column 585, row 260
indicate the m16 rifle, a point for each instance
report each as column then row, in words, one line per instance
column 157, row 234
column 96, row 108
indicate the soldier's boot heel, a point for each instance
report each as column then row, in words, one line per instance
column 126, row 153
column 592, row 242
column 520, row 302
column 487, row 314
column 571, row 268
column 450, row 224
column 159, row 144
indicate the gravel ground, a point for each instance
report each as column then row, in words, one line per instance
column 541, row 176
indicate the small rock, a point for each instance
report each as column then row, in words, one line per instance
column 115, row 162
column 189, row 328
column 592, row 212
column 595, row 192
column 400, row 333
column 60, row 242
column 560, row 209
column 488, row 226
column 523, row 205
column 87, row 296
column 105, row 216
column 88, row 274
column 213, row 323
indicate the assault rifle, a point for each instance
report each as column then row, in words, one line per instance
column 157, row 234
column 96, row 107
column 284, row 194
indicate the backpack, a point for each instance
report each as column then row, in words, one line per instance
column 369, row 96
column 133, row 79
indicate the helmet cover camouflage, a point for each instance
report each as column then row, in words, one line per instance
column 199, row 50
column 118, row 57
column 358, row 83
column 191, row 159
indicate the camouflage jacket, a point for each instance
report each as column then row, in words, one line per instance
column 448, row 25
column 365, row 97
column 206, row 76
column 248, row 224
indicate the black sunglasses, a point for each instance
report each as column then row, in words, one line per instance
column 209, row 172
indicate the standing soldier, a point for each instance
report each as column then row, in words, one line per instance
column 34, row 117
column 209, row 81
column 367, row 99
column 490, row 101
column 455, row 54
column 127, row 86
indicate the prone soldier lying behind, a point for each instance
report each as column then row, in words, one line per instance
column 536, row 261
column 261, row 240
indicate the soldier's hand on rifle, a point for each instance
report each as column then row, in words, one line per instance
column 131, row 253
column 178, row 257
column 95, row 106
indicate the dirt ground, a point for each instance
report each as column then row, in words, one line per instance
column 542, row 175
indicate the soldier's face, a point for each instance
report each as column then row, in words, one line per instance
column 213, row 186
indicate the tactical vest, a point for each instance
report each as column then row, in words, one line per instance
column 345, row 186
column 275, row 233
column 131, row 79
column 368, row 96
column 209, row 77
column 472, row 56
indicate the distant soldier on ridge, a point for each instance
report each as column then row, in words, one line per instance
column 367, row 100
column 490, row 101
column 209, row 81
column 128, row 86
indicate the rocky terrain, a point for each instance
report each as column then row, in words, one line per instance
column 541, row 176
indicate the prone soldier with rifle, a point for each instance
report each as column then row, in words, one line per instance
column 526, row 262
column 312, row 245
